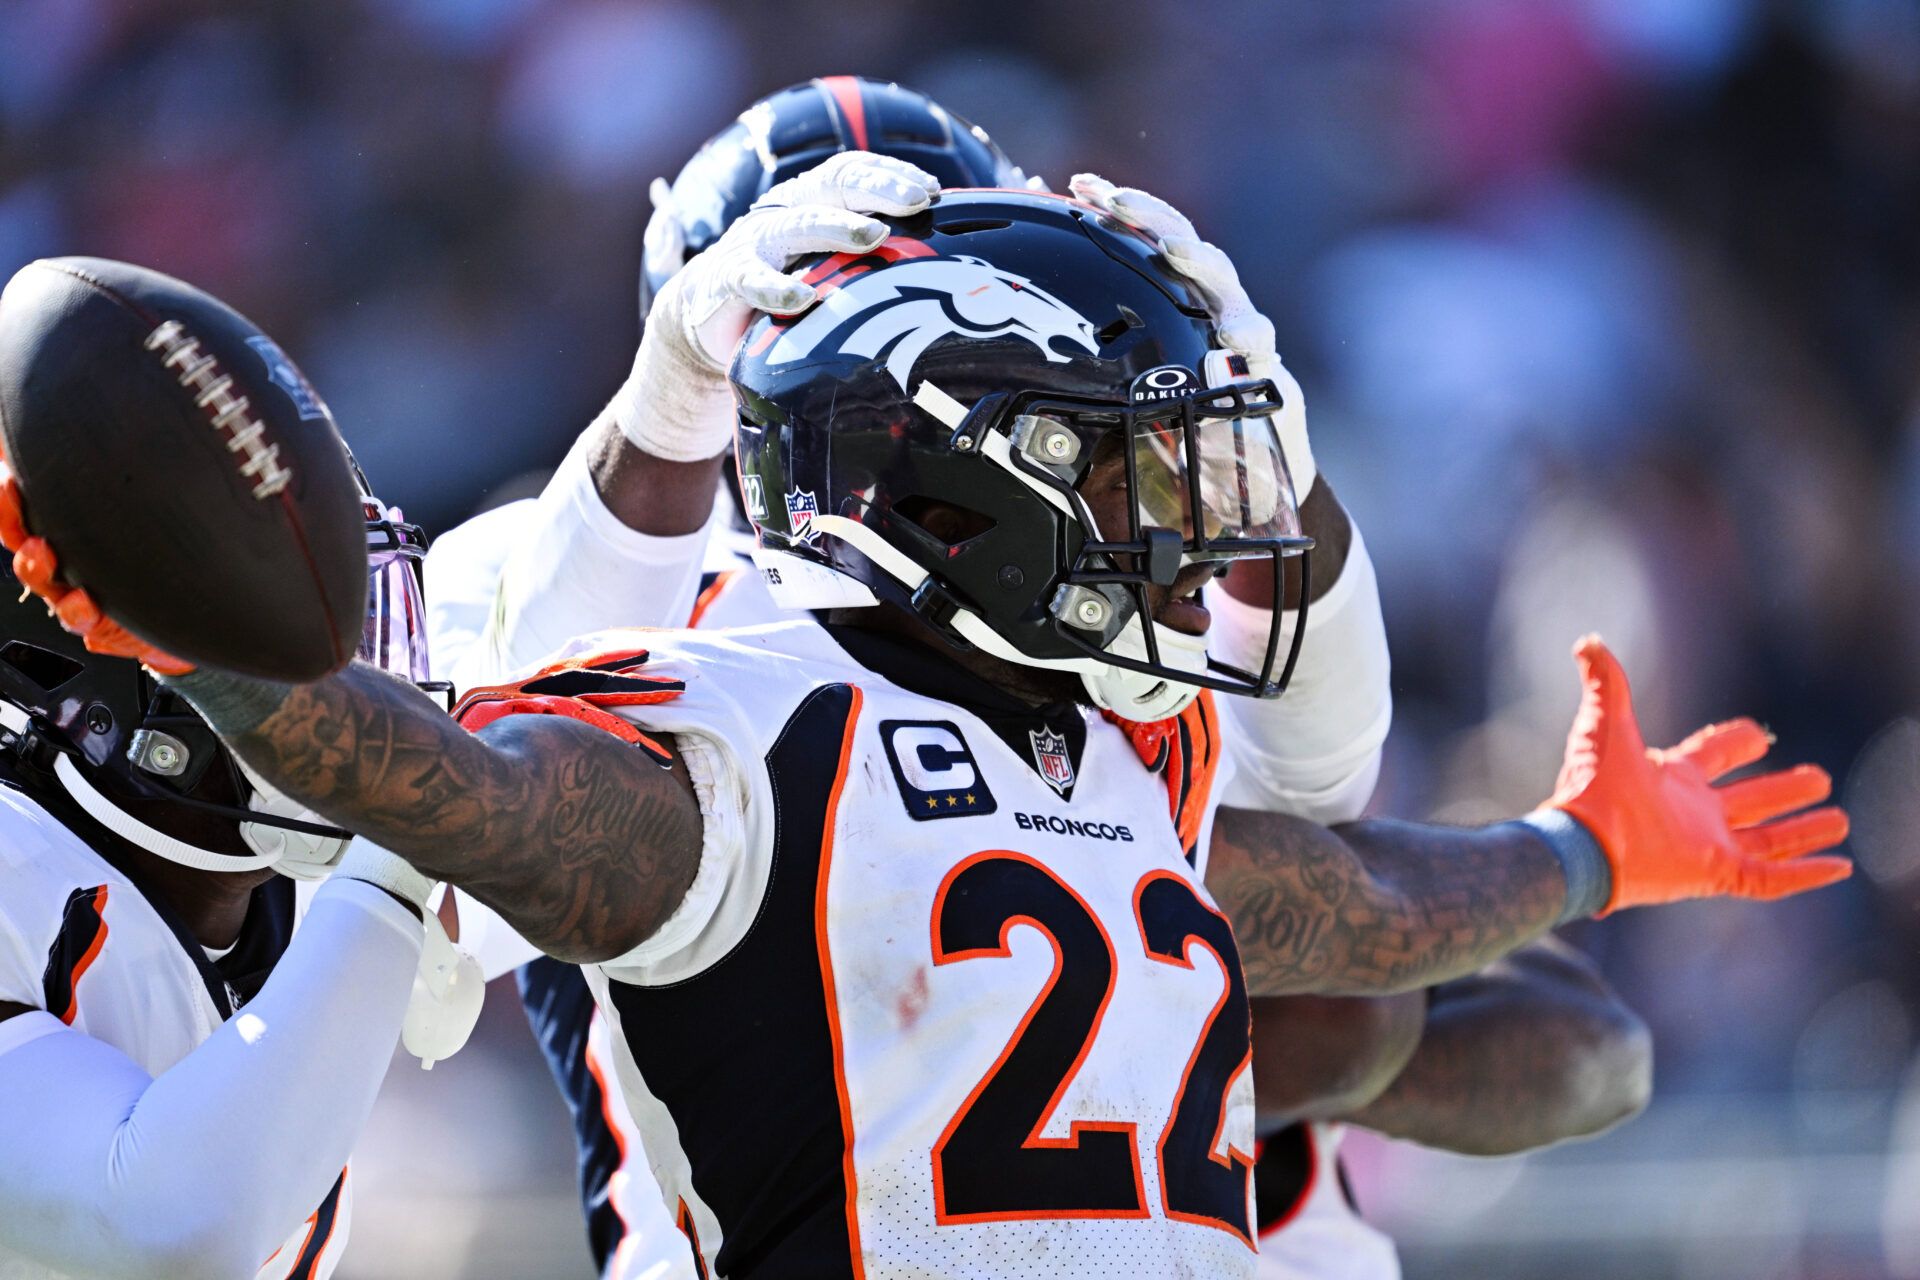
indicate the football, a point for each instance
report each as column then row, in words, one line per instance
column 183, row 469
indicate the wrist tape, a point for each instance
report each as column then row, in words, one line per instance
column 673, row 405
column 232, row 704
column 1589, row 874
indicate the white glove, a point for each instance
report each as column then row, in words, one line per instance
column 676, row 403
column 448, row 990
column 1240, row 326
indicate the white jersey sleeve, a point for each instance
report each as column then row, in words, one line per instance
column 200, row 1170
column 721, row 738
column 462, row 572
column 1314, row 752
column 568, row 567
column 22, row 955
column 1322, row 1235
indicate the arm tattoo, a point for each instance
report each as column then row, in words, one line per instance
column 579, row 841
column 1377, row 907
column 1534, row 1050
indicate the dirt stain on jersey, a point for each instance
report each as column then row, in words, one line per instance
column 912, row 1000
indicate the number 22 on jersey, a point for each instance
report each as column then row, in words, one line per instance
column 991, row 1162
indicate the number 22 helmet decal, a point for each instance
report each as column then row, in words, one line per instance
column 982, row 362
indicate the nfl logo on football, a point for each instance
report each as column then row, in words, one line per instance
column 802, row 507
column 1050, row 754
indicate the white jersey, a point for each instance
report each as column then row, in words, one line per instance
column 79, row 940
column 1315, row 1232
column 946, row 997
column 1309, row 1227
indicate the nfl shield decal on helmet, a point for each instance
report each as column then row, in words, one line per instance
column 1051, row 757
column 802, row 507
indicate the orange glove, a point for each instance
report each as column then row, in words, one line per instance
column 35, row 564
column 1667, row 831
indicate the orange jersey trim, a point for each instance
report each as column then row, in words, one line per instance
column 599, row 1074
column 1202, row 761
column 1285, row 1220
column 96, row 905
column 684, row 1220
column 823, row 944
column 1186, row 748
column 92, row 953
column 714, row 590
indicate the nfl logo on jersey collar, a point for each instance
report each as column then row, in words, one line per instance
column 1052, row 759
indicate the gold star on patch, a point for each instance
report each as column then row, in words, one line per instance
column 970, row 799
column 932, row 803
column 951, row 802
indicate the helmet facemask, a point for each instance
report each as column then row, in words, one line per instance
column 965, row 363
column 1129, row 477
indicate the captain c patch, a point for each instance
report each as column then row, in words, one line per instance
column 935, row 769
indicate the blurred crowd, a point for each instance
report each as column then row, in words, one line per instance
column 1606, row 312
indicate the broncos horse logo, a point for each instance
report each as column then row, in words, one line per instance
column 905, row 308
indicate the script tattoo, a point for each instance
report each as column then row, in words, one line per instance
column 582, row 843
column 1376, row 907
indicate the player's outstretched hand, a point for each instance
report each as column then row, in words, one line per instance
column 1667, row 830
column 38, row 570
column 1240, row 325
column 677, row 405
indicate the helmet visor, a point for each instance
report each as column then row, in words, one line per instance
column 394, row 637
column 1180, row 475
column 1230, row 469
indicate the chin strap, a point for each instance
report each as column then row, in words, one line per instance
column 1131, row 694
column 125, row 825
column 448, row 991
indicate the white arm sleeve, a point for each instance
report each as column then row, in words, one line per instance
column 1314, row 752
column 205, row 1170
column 576, row 569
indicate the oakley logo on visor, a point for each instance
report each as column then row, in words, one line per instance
column 1168, row 382
column 905, row 308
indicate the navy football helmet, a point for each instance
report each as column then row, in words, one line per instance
column 785, row 134
column 986, row 357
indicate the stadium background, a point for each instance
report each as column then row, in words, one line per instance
column 1606, row 314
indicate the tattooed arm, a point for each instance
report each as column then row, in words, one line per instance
column 1536, row 1049
column 1377, row 907
column 578, row 840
